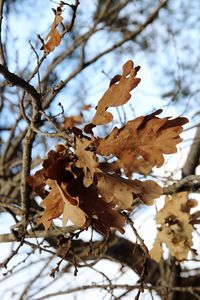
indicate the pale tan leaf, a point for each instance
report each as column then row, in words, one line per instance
column 175, row 229
column 122, row 192
column 74, row 214
column 71, row 210
column 113, row 189
column 86, row 160
column 156, row 252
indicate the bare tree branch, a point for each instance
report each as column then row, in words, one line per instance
column 14, row 80
column 190, row 183
column 193, row 158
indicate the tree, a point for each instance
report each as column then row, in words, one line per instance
column 97, row 166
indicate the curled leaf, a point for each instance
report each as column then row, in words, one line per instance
column 59, row 202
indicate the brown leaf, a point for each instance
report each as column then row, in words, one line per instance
column 87, row 107
column 60, row 202
column 139, row 165
column 149, row 137
column 117, row 94
column 174, row 228
column 111, row 167
column 72, row 121
column 38, row 182
column 103, row 216
column 55, row 165
column 53, row 38
column 53, row 205
column 88, row 128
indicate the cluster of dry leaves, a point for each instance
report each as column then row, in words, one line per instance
column 174, row 227
column 89, row 192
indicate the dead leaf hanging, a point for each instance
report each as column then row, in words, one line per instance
column 101, row 215
column 69, row 122
column 149, row 137
column 117, row 94
column 174, row 228
column 58, row 202
column 53, row 38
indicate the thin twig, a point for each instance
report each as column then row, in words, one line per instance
column 53, row 233
column 142, row 244
column 15, row 80
column 38, row 66
column 2, row 56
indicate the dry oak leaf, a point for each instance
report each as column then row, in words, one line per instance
column 124, row 193
column 86, row 160
column 149, row 136
column 54, row 167
column 38, row 182
column 117, row 94
column 53, row 38
column 149, row 190
column 138, row 165
column 72, row 121
column 59, row 202
column 102, row 216
column 86, row 106
column 174, row 228
column 114, row 189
